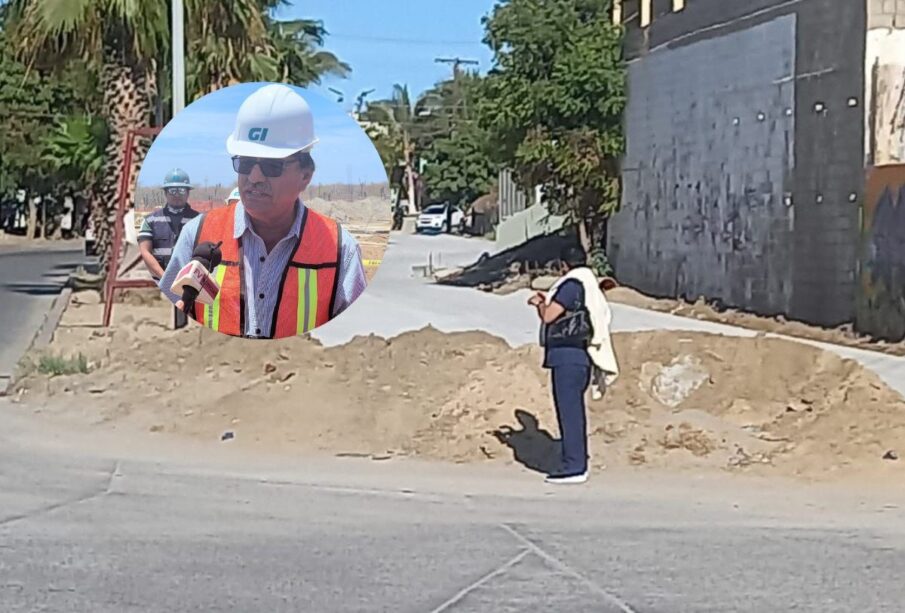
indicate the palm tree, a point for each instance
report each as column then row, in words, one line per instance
column 228, row 41
column 119, row 39
column 298, row 46
column 397, row 115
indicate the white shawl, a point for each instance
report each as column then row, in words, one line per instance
column 600, row 349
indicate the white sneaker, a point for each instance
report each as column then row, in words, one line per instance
column 567, row 479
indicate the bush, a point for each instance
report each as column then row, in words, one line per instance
column 600, row 263
column 59, row 365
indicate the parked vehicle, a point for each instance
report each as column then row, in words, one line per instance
column 440, row 218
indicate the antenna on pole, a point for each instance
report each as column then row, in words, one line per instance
column 456, row 63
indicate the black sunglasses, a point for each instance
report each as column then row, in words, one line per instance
column 270, row 168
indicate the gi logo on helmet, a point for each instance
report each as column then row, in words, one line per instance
column 257, row 134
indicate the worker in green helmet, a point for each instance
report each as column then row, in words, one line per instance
column 161, row 229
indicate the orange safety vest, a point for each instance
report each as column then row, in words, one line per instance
column 309, row 281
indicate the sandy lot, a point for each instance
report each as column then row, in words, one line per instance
column 684, row 401
column 368, row 220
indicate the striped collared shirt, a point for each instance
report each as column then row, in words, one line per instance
column 264, row 271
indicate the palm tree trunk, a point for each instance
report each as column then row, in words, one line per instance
column 128, row 91
column 31, row 230
column 410, row 173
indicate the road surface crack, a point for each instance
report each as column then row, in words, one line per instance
column 107, row 489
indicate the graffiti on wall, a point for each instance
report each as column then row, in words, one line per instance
column 881, row 304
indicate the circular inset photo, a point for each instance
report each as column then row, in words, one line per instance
column 263, row 211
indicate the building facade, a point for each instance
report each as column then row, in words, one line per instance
column 764, row 139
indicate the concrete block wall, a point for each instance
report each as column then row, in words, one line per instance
column 743, row 155
column 829, row 171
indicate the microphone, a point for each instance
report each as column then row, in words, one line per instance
column 194, row 281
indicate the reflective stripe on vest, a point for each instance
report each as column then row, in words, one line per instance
column 309, row 282
column 306, row 314
column 163, row 238
column 211, row 317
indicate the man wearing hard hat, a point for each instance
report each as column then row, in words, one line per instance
column 233, row 197
column 286, row 269
column 161, row 229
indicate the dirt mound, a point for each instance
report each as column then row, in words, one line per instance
column 701, row 309
column 370, row 210
column 683, row 400
column 513, row 269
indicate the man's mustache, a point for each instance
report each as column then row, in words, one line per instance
column 258, row 187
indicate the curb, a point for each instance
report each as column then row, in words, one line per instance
column 44, row 336
column 52, row 320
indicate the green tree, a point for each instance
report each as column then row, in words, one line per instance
column 459, row 165
column 553, row 104
column 31, row 103
column 227, row 41
column 74, row 148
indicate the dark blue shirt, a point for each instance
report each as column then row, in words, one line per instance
column 571, row 296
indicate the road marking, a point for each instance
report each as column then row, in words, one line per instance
column 612, row 598
column 470, row 588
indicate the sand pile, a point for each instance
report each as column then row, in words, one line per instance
column 685, row 400
column 365, row 211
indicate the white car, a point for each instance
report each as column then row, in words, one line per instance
column 435, row 218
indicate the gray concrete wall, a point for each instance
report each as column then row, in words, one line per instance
column 735, row 187
column 521, row 227
column 708, row 154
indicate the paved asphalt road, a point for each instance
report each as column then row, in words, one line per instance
column 119, row 523
column 29, row 281
column 84, row 531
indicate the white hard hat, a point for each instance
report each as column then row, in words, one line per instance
column 273, row 122
column 234, row 195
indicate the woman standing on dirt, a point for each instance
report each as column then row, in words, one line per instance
column 575, row 322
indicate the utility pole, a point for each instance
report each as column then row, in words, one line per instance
column 178, row 44
column 456, row 63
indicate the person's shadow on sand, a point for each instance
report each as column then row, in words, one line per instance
column 532, row 447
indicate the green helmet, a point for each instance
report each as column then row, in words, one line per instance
column 177, row 178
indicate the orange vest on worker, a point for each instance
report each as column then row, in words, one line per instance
column 309, row 281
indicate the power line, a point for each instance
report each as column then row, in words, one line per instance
column 404, row 41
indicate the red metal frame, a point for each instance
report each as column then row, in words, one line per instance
column 112, row 283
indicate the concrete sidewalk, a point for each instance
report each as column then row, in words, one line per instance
column 399, row 300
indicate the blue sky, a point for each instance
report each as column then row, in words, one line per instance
column 396, row 41
column 195, row 140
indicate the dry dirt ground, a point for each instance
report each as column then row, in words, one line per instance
column 684, row 401
column 369, row 221
column 843, row 335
